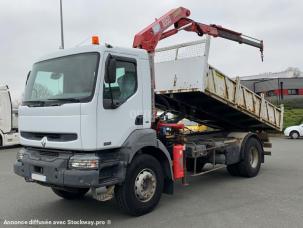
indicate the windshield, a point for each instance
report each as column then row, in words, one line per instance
column 69, row 79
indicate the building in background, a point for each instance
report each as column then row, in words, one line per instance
column 281, row 87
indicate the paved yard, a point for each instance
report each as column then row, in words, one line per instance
column 272, row 199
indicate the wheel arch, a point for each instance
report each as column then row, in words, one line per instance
column 145, row 142
column 161, row 157
column 165, row 163
column 294, row 130
column 243, row 137
column 246, row 139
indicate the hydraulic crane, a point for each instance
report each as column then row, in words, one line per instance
column 149, row 37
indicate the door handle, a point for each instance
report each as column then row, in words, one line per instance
column 139, row 120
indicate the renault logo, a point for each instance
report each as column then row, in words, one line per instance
column 43, row 141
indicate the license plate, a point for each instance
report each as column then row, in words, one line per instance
column 38, row 177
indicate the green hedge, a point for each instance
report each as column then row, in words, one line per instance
column 293, row 116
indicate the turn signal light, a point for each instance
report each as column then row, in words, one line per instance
column 85, row 161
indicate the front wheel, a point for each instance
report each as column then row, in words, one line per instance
column 70, row 193
column 294, row 135
column 143, row 185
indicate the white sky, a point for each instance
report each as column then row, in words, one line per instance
column 30, row 29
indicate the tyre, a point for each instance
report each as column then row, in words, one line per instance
column 70, row 193
column 251, row 163
column 142, row 187
column 294, row 135
column 233, row 169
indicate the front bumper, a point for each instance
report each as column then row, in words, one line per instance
column 54, row 166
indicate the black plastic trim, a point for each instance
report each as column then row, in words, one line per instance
column 53, row 137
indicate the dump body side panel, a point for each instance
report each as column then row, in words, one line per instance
column 185, row 79
column 231, row 92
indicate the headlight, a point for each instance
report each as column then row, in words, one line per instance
column 83, row 162
column 20, row 155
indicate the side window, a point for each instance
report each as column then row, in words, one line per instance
column 124, row 86
column 293, row 92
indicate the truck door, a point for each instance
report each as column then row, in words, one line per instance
column 120, row 109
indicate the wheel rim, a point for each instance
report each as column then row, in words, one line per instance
column 295, row 135
column 253, row 157
column 145, row 185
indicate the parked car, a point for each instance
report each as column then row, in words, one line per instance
column 294, row 132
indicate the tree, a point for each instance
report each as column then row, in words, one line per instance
column 40, row 91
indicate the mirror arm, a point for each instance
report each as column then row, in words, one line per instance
column 111, row 96
column 108, row 76
column 28, row 74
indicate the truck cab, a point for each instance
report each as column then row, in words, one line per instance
column 69, row 104
column 86, row 114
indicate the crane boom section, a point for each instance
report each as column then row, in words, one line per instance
column 149, row 37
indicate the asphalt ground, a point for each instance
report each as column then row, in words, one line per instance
column 272, row 199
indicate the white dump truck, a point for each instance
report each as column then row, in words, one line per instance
column 8, row 119
column 89, row 119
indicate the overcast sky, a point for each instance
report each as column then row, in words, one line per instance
column 30, row 28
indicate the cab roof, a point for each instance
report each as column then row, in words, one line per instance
column 139, row 53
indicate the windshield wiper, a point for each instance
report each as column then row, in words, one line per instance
column 70, row 99
column 34, row 103
column 51, row 102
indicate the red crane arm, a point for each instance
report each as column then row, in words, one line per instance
column 149, row 37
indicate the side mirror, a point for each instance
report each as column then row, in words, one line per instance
column 110, row 76
column 56, row 76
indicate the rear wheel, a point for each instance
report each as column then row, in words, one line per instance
column 143, row 185
column 294, row 135
column 251, row 163
column 70, row 193
column 233, row 169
